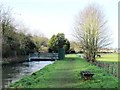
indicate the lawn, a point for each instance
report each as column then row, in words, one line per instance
column 66, row 74
column 112, row 57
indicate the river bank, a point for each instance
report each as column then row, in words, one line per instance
column 66, row 74
column 11, row 60
column 14, row 72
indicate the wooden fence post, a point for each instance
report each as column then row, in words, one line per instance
column 96, row 63
column 105, row 66
column 112, row 69
column 108, row 68
column 100, row 64
column 115, row 71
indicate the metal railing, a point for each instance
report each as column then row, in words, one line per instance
column 43, row 56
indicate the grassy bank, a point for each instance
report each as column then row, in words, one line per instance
column 66, row 74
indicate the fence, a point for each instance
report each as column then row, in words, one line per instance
column 110, row 67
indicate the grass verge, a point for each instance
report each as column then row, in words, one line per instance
column 66, row 74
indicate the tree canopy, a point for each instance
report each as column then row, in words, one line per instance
column 58, row 41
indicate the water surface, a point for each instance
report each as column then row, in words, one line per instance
column 14, row 72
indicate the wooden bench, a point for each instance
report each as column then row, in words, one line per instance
column 87, row 75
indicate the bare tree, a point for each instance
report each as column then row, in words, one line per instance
column 91, row 30
column 7, row 28
column 6, row 21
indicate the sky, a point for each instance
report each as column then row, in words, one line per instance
column 57, row 16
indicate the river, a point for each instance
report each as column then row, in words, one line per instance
column 13, row 72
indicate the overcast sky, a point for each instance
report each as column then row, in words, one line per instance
column 52, row 16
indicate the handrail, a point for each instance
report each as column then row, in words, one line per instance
column 43, row 56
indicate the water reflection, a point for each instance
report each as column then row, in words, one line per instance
column 14, row 72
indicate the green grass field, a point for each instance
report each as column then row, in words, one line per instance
column 66, row 74
column 113, row 57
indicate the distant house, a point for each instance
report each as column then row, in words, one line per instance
column 106, row 50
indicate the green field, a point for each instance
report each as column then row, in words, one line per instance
column 113, row 57
column 66, row 74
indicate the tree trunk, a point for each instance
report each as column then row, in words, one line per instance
column 94, row 58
